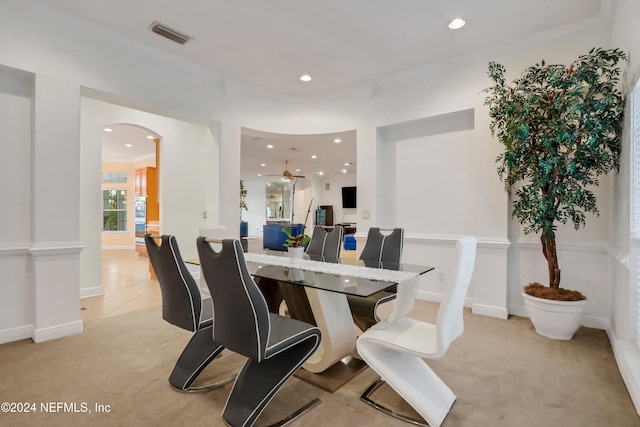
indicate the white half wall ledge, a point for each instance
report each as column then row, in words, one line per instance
column 619, row 255
column 57, row 331
column 56, row 248
column 594, row 246
column 14, row 249
column 483, row 242
column 15, row 334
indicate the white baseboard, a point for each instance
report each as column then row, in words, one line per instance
column 15, row 334
column 595, row 322
column 627, row 356
column 91, row 292
column 489, row 310
column 484, row 310
column 429, row 296
column 518, row 310
column 58, row 331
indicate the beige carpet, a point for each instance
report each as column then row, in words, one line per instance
column 502, row 372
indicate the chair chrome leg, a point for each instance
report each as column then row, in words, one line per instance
column 315, row 402
column 195, row 357
column 204, row 388
column 367, row 399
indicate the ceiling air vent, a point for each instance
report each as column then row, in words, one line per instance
column 169, row 33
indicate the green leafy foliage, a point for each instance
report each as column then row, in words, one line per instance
column 243, row 195
column 295, row 241
column 561, row 128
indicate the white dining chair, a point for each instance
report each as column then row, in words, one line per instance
column 395, row 348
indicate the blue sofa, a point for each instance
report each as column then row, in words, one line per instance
column 273, row 237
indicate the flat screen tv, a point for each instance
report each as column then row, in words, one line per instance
column 349, row 197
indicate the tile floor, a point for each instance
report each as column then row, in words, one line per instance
column 128, row 287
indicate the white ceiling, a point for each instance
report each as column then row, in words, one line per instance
column 114, row 143
column 297, row 149
column 340, row 43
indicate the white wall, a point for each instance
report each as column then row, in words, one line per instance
column 63, row 57
column 333, row 196
column 16, row 93
column 626, row 35
column 67, row 55
column 256, row 202
column 188, row 180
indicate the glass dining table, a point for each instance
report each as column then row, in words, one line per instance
column 314, row 290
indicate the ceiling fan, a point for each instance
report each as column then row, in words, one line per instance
column 286, row 172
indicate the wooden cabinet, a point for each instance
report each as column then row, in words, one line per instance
column 146, row 184
column 145, row 181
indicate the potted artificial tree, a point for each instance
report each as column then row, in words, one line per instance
column 244, row 225
column 561, row 128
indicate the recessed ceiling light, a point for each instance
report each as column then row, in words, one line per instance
column 314, row 157
column 337, row 140
column 259, row 174
column 320, row 173
column 128, row 145
column 347, row 164
column 269, row 146
column 150, row 137
column 262, row 164
column 108, row 130
column 456, row 23
column 297, row 170
column 305, row 78
column 344, row 171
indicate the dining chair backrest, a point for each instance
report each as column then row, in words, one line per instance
column 325, row 243
column 241, row 316
column 383, row 247
column 181, row 299
column 450, row 323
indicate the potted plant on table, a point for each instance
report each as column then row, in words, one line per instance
column 295, row 244
column 561, row 128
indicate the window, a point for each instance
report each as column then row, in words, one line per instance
column 634, row 238
column 114, row 210
column 117, row 177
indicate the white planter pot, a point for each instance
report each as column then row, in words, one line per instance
column 555, row 319
column 296, row 253
column 295, row 275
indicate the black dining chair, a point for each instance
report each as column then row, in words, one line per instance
column 379, row 250
column 183, row 306
column 276, row 346
column 325, row 243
